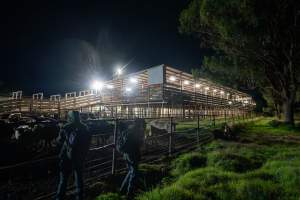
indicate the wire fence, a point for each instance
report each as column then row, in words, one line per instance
column 104, row 160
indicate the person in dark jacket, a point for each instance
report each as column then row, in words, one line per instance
column 132, row 135
column 74, row 139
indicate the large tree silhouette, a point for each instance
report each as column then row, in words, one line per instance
column 263, row 34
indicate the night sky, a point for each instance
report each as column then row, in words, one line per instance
column 57, row 46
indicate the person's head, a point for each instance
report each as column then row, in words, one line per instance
column 73, row 116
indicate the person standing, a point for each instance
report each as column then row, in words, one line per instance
column 129, row 143
column 74, row 138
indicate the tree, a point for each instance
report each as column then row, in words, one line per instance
column 262, row 34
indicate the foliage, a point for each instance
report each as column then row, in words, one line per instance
column 248, row 35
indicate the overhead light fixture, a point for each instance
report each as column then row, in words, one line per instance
column 119, row 71
column 133, row 80
column 172, row 78
column 96, row 85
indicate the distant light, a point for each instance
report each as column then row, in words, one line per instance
column 221, row 92
column 172, row 78
column 228, row 94
column 119, row 71
column 229, row 102
column 109, row 86
column 133, row 80
column 206, row 88
column 96, row 85
column 128, row 89
column 197, row 85
column 186, row 82
column 214, row 90
column 246, row 101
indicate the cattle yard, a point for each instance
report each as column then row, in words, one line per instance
column 164, row 137
column 159, row 91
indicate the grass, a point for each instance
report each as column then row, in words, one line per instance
column 264, row 163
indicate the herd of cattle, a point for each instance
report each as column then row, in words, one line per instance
column 39, row 132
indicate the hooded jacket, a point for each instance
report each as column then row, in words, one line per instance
column 76, row 132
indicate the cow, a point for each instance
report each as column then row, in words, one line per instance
column 102, row 130
column 159, row 127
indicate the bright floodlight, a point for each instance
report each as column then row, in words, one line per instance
column 119, row 71
column 128, row 89
column 96, row 85
column 133, row 80
column 197, row 85
column 186, row 82
column 172, row 78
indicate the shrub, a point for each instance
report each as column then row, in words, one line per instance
column 187, row 162
column 231, row 162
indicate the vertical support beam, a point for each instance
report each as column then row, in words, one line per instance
column 114, row 160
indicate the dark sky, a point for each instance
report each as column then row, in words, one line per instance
column 55, row 46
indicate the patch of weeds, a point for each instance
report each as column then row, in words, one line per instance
column 231, row 162
column 187, row 162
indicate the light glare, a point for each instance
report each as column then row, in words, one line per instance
column 128, row 89
column 96, row 85
column 133, row 80
column 186, row 82
column 109, row 86
column 119, row 71
column 172, row 78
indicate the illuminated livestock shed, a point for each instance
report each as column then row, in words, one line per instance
column 155, row 92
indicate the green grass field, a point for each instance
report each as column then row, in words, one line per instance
column 264, row 163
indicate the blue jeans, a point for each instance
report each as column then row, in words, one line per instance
column 130, row 179
column 66, row 167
